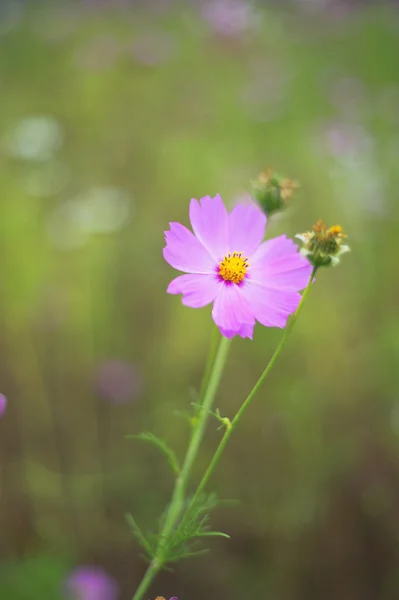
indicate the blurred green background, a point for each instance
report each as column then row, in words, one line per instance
column 113, row 115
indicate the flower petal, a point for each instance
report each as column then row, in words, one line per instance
column 246, row 228
column 278, row 264
column 279, row 246
column 245, row 331
column 197, row 290
column 184, row 252
column 209, row 222
column 231, row 312
column 271, row 307
column 290, row 273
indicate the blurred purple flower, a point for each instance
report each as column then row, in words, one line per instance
column 91, row 583
column 229, row 18
column 118, row 382
column 347, row 139
column 3, row 404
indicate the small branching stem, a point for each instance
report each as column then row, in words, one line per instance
column 233, row 424
column 213, row 375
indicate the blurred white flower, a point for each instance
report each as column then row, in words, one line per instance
column 35, row 138
column 229, row 18
column 98, row 211
column 104, row 210
column 45, row 179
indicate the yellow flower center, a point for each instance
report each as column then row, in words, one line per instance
column 233, row 267
column 337, row 231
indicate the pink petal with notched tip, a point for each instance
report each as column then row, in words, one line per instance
column 245, row 331
column 231, row 312
column 209, row 221
column 274, row 248
column 185, row 252
column 246, row 229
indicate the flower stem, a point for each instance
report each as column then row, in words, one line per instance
column 209, row 362
column 178, row 496
column 145, row 583
column 231, row 425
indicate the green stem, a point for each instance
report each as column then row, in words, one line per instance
column 145, row 583
column 209, row 363
column 231, row 425
column 177, row 501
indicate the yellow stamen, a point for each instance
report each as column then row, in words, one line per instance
column 337, row 231
column 233, row 267
column 320, row 228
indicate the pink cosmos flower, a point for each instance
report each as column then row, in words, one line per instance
column 3, row 404
column 91, row 583
column 227, row 264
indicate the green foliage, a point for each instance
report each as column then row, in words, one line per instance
column 36, row 578
column 140, row 537
column 161, row 445
column 224, row 421
column 193, row 525
column 185, row 541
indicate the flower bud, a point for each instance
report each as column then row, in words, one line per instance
column 272, row 191
column 323, row 246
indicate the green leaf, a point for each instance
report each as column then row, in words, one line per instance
column 187, row 554
column 161, row 445
column 214, row 534
column 185, row 541
column 138, row 534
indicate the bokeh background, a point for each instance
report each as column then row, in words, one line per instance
column 113, row 115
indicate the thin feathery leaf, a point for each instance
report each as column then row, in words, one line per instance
column 162, row 446
column 214, row 534
column 138, row 534
column 189, row 554
column 194, row 524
